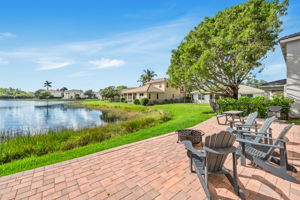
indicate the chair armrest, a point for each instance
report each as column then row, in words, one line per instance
column 245, row 132
column 220, row 150
column 257, row 143
column 188, row 145
column 246, row 125
column 269, row 138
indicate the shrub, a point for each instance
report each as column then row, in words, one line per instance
column 136, row 102
column 255, row 104
column 122, row 99
column 144, row 101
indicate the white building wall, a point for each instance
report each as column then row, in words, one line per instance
column 196, row 98
column 292, row 89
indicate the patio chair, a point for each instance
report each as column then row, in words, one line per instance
column 263, row 157
column 264, row 130
column 211, row 160
column 249, row 122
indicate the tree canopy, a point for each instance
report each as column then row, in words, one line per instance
column 90, row 93
column 10, row 93
column 222, row 51
column 147, row 76
column 111, row 92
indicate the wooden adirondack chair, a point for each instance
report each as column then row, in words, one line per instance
column 263, row 157
column 265, row 130
column 211, row 160
column 249, row 122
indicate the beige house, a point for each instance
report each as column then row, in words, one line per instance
column 290, row 46
column 155, row 90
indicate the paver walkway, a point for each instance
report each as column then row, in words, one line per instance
column 156, row 168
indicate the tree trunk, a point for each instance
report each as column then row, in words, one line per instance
column 235, row 91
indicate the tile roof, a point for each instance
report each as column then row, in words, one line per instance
column 245, row 89
column 290, row 36
column 277, row 82
column 157, row 80
column 144, row 88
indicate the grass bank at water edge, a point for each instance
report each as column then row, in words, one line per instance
column 179, row 116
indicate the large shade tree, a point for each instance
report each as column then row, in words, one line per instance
column 223, row 51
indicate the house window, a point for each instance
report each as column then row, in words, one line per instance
column 210, row 96
column 141, row 94
column 157, row 96
column 159, row 85
column 182, row 90
column 173, row 96
column 149, row 96
column 200, row 97
column 247, row 95
column 167, row 85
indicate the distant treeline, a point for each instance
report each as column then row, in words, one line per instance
column 11, row 93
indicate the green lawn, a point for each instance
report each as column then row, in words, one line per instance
column 182, row 116
column 295, row 121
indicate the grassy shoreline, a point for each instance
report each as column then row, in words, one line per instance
column 181, row 116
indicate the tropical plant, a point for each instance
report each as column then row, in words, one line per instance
column 63, row 89
column 47, row 84
column 222, row 51
column 147, row 76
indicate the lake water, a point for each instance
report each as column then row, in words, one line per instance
column 24, row 117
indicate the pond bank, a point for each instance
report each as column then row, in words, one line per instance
column 179, row 116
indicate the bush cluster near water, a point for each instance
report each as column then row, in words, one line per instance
column 255, row 104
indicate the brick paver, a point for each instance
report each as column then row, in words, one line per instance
column 156, row 168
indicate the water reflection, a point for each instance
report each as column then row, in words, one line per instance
column 24, row 117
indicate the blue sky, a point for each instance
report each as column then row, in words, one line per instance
column 91, row 44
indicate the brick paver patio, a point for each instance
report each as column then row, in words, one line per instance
column 156, row 168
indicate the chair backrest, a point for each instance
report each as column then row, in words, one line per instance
column 266, row 125
column 281, row 136
column 221, row 140
column 250, row 119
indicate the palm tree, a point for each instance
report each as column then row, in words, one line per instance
column 47, row 84
column 147, row 76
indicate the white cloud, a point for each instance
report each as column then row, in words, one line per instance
column 80, row 74
column 107, row 63
column 6, row 35
column 4, row 61
column 49, row 64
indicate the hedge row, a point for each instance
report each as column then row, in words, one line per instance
column 255, row 104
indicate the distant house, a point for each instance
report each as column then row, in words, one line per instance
column 274, row 88
column 155, row 90
column 55, row 93
column 98, row 95
column 244, row 90
column 290, row 46
column 74, row 94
